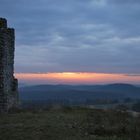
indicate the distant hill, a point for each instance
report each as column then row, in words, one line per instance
column 79, row 92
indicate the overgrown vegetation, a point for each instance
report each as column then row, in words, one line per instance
column 69, row 124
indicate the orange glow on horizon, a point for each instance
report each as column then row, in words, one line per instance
column 76, row 78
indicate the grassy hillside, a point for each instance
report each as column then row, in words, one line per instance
column 69, row 124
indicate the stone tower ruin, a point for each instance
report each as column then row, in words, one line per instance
column 8, row 84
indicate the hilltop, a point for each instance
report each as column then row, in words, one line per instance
column 69, row 124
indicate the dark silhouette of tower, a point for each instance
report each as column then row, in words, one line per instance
column 8, row 84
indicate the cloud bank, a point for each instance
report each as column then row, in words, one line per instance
column 75, row 35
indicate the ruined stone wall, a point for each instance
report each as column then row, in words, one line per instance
column 8, row 84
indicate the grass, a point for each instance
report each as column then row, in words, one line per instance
column 69, row 124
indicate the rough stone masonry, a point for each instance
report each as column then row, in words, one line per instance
column 8, row 83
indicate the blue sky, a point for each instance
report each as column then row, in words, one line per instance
column 75, row 35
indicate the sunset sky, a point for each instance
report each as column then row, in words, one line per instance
column 77, row 78
column 75, row 41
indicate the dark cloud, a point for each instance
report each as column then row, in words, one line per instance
column 133, row 75
column 75, row 35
